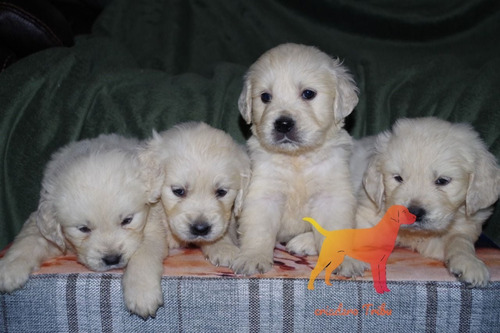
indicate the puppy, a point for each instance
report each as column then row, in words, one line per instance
column 446, row 177
column 373, row 245
column 95, row 204
column 296, row 98
column 203, row 174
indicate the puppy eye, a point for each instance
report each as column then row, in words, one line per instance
column 266, row 98
column 84, row 229
column 398, row 178
column 127, row 220
column 180, row 192
column 308, row 94
column 220, row 193
column 442, row 181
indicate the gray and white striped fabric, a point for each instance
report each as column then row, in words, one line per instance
column 93, row 303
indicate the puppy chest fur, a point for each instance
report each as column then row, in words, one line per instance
column 293, row 186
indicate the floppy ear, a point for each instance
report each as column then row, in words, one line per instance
column 245, row 175
column 346, row 92
column 484, row 183
column 152, row 172
column 373, row 184
column 373, row 181
column 240, row 197
column 245, row 100
column 48, row 225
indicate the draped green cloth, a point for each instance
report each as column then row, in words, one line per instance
column 150, row 64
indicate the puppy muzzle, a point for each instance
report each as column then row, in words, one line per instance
column 285, row 131
column 104, row 261
column 112, row 259
column 421, row 221
column 200, row 228
column 419, row 212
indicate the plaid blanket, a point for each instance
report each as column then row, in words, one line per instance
column 65, row 297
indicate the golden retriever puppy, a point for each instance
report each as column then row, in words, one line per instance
column 296, row 98
column 95, row 204
column 204, row 174
column 446, row 177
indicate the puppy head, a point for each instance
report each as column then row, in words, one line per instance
column 435, row 168
column 205, row 174
column 296, row 97
column 97, row 206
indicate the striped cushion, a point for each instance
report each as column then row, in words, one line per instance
column 202, row 298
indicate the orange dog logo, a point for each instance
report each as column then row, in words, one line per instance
column 372, row 245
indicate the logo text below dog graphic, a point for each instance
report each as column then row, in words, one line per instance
column 372, row 245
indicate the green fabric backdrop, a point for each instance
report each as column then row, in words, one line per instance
column 152, row 63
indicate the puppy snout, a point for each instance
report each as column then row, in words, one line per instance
column 284, row 124
column 112, row 259
column 200, row 228
column 419, row 212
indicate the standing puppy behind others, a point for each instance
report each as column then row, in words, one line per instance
column 94, row 203
column 445, row 176
column 203, row 174
column 296, row 98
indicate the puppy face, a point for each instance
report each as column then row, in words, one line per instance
column 99, row 208
column 295, row 96
column 435, row 168
column 204, row 176
column 199, row 201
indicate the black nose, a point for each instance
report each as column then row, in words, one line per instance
column 419, row 212
column 284, row 124
column 112, row 259
column 200, row 228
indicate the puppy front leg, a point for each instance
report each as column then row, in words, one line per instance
column 259, row 223
column 222, row 252
column 303, row 244
column 26, row 254
column 461, row 260
column 336, row 213
column 141, row 281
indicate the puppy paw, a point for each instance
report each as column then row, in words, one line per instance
column 249, row 264
column 13, row 275
column 221, row 254
column 302, row 245
column 142, row 296
column 351, row 267
column 469, row 269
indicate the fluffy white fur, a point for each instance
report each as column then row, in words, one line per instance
column 95, row 204
column 444, row 174
column 296, row 98
column 203, row 175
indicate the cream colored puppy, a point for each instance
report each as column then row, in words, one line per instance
column 204, row 174
column 446, row 177
column 95, row 204
column 296, row 98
